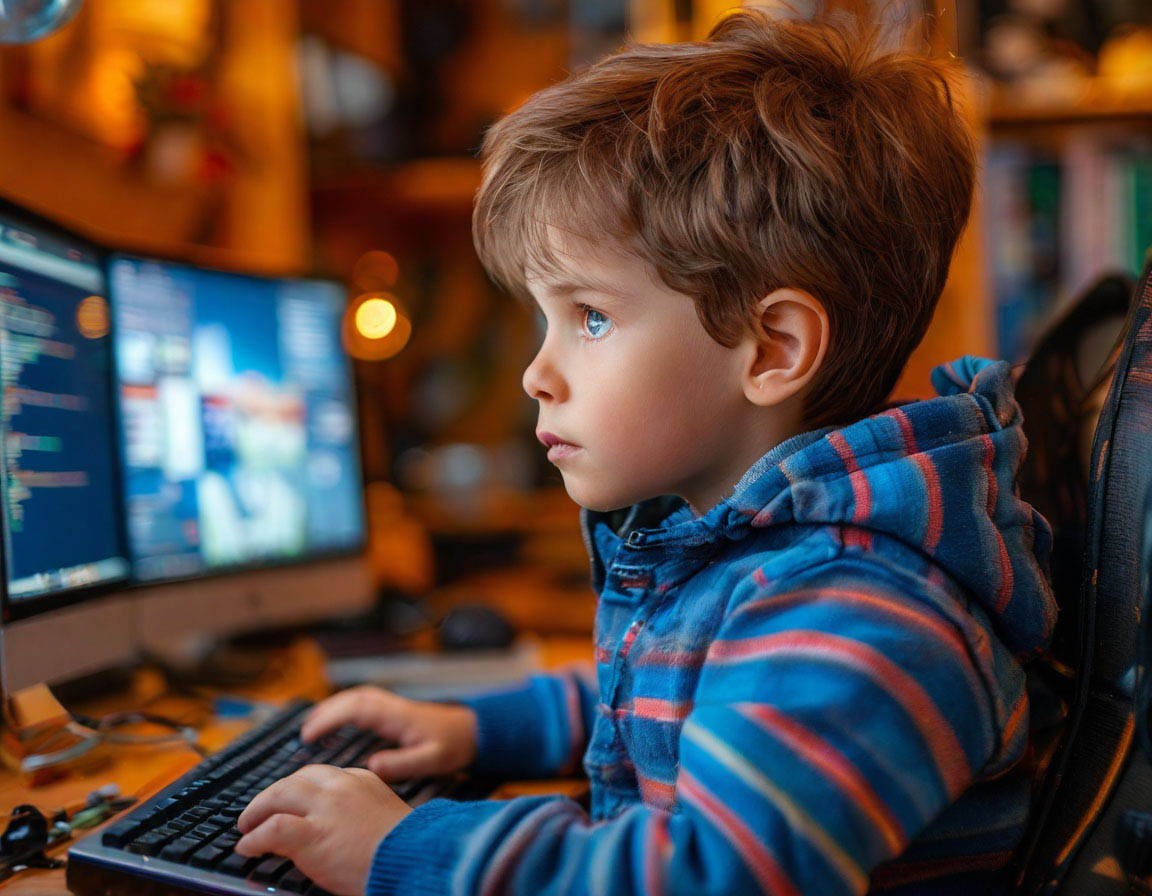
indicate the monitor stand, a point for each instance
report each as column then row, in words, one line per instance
column 176, row 622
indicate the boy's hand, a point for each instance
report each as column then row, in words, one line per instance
column 433, row 739
column 327, row 820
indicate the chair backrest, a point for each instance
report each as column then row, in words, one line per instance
column 1091, row 782
column 1061, row 393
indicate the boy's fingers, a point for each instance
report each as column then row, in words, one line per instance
column 292, row 795
column 281, row 834
column 367, row 708
column 405, row 762
column 328, row 715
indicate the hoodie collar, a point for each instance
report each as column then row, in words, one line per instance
column 937, row 475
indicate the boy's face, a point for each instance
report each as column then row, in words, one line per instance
column 641, row 400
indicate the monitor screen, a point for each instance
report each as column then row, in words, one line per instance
column 237, row 418
column 61, row 524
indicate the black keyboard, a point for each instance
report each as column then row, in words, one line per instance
column 181, row 840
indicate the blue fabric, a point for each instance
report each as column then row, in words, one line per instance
column 815, row 687
column 515, row 741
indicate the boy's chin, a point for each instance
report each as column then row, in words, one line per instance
column 599, row 500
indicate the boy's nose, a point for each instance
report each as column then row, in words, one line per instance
column 542, row 381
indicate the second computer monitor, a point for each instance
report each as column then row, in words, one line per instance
column 237, row 418
column 59, row 520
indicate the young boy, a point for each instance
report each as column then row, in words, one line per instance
column 808, row 660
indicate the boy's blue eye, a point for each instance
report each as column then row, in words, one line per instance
column 595, row 323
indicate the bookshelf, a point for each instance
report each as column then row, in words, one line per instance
column 1069, row 183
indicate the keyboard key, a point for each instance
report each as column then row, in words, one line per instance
column 270, row 869
column 121, row 834
column 408, row 789
column 370, row 749
column 207, row 856
column 355, row 747
column 180, row 850
column 172, row 829
column 294, row 881
column 167, row 809
column 147, row 844
column 237, row 864
column 191, row 817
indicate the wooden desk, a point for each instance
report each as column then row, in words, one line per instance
column 296, row 671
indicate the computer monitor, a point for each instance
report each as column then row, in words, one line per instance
column 239, row 445
column 63, row 537
column 179, row 455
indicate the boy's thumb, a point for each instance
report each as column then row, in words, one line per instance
column 405, row 762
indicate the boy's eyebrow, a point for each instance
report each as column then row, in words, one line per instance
column 565, row 288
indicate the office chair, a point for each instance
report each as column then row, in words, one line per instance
column 1081, row 839
column 1061, row 392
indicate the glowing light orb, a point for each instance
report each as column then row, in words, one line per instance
column 375, row 318
column 92, row 317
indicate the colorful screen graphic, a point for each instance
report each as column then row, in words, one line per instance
column 237, row 416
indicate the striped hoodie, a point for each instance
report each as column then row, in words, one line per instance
column 814, row 688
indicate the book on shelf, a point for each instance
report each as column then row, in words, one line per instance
column 1056, row 221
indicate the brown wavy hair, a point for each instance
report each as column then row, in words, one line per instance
column 776, row 153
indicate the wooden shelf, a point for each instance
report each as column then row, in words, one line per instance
column 438, row 184
column 73, row 179
column 1096, row 101
column 86, row 186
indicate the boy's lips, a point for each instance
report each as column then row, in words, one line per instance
column 558, row 449
column 547, row 439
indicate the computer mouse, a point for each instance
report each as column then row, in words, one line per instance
column 475, row 627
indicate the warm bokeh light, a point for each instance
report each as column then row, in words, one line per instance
column 375, row 318
column 92, row 317
column 375, row 270
column 376, row 327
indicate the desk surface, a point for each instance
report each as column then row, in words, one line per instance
column 295, row 671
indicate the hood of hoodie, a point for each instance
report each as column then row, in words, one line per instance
column 938, row 475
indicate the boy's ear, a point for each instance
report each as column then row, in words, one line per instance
column 787, row 346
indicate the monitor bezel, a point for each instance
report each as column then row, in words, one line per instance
column 13, row 610
column 214, row 572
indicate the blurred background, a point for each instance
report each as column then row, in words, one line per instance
column 340, row 137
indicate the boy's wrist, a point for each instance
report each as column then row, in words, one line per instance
column 519, row 732
column 463, row 733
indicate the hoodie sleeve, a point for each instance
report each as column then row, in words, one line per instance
column 538, row 729
column 831, row 724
